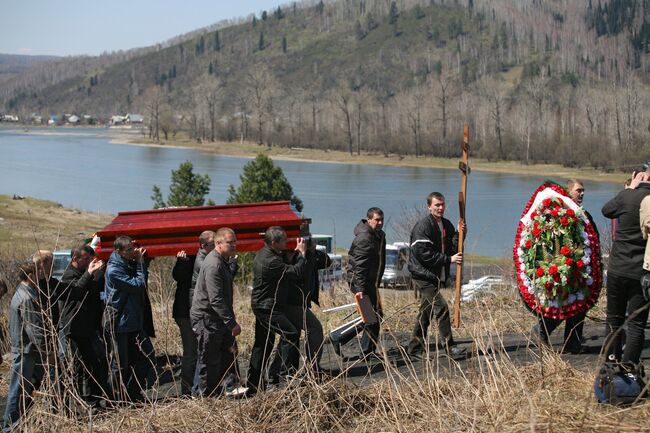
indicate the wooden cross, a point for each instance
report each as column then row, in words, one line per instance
column 462, row 200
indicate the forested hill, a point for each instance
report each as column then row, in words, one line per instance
column 12, row 65
column 538, row 80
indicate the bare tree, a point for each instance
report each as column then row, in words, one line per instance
column 262, row 87
column 342, row 99
column 153, row 100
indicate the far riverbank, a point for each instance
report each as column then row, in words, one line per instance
column 250, row 150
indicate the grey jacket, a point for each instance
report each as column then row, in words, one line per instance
column 26, row 321
column 198, row 261
column 213, row 294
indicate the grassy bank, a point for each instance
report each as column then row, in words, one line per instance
column 28, row 223
column 491, row 392
column 249, row 149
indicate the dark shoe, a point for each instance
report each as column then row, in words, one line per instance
column 575, row 349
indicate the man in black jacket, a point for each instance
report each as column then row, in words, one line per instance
column 80, row 320
column 213, row 317
column 272, row 278
column 624, row 292
column 433, row 242
column 366, row 261
column 301, row 294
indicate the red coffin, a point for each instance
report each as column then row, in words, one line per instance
column 165, row 232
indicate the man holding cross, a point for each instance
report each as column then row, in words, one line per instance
column 433, row 242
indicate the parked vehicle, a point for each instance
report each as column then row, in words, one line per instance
column 61, row 261
column 396, row 273
column 334, row 273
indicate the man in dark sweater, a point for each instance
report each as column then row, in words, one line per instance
column 272, row 278
column 80, row 321
column 624, row 294
column 212, row 315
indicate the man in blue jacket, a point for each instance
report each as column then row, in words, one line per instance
column 126, row 277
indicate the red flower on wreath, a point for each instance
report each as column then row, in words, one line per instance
column 580, row 264
column 536, row 232
column 557, row 278
column 564, row 221
column 552, row 270
column 540, row 272
column 570, row 212
column 555, row 212
column 549, row 285
column 568, row 261
column 529, row 244
column 565, row 251
column 546, row 202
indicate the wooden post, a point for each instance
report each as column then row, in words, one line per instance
column 462, row 200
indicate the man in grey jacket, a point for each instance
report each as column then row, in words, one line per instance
column 212, row 316
column 28, row 343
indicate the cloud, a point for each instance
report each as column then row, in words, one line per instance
column 26, row 51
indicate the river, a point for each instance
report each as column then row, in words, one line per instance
column 81, row 168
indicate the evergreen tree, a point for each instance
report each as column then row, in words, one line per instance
column 279, row 14
column 217, row 42
column 261, row 180
column 393, row 14
column 371, row 23
column 260, row 44
column 320, row 7
column 264, row 15
column 254, row 21
column 186, row 189
column 359, row 31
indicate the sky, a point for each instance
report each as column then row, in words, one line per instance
column 74, row 27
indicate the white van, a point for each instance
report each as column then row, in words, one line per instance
column 396, row 272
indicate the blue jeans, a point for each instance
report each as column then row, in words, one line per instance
column 26, row 375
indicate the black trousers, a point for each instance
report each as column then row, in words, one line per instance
column 216, row 356
column 88, row 365
column 572, row 329
column 268, row 323
column 624, row 295
column 287, row 356
column 432, row 304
